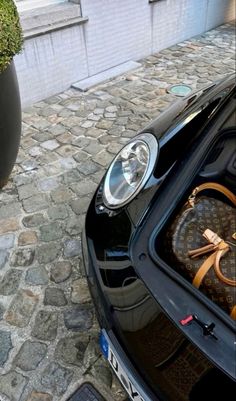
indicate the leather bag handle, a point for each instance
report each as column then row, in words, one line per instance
column 215, row 186
column 218, row 271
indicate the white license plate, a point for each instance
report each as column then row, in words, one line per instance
column 122, row 374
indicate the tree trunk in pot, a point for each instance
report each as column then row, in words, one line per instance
column 10, row 122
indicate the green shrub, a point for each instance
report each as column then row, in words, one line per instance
column 10, row 33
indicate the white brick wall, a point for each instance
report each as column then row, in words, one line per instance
column 120, row 30
column 50, row 63
column 117, row 31
column 175, row 21
column 219, row 10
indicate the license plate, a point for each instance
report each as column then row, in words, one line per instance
column 121, row 371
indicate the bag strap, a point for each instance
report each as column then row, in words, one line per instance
column 215, row 186
column 218, row 271
column 233, row 312
column 214, row 260
column 203, row 270
column 219, row 248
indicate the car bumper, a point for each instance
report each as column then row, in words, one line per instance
column 120, row 362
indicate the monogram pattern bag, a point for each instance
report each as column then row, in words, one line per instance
column 201, row 245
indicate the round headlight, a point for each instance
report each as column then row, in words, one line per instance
column 130, row 170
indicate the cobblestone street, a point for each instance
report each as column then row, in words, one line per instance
column 48, row 329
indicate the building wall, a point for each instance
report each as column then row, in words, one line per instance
column 23, row 5
column 116, row 31
column 218, row 9
column 50, row 63
column 185, row 19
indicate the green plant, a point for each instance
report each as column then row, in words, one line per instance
column 10, row 33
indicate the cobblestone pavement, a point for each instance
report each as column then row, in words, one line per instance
column 48, row 331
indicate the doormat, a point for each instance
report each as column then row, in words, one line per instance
column 86, row 392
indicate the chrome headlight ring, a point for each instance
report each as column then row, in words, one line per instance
column 130, row 170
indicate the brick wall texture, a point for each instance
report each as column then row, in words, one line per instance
column 117, row 31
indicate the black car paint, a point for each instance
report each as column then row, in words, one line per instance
column 113, row 238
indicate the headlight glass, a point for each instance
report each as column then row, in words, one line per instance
column 130, row 170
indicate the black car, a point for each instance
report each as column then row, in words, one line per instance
column 164, row 339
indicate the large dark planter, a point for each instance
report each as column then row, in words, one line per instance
column 10, row 122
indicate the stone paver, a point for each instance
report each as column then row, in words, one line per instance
column 45, row 326
column 48, row 329
column 30, row 355
column 5, row 346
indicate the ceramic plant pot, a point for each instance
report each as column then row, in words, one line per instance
column 10, row 122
